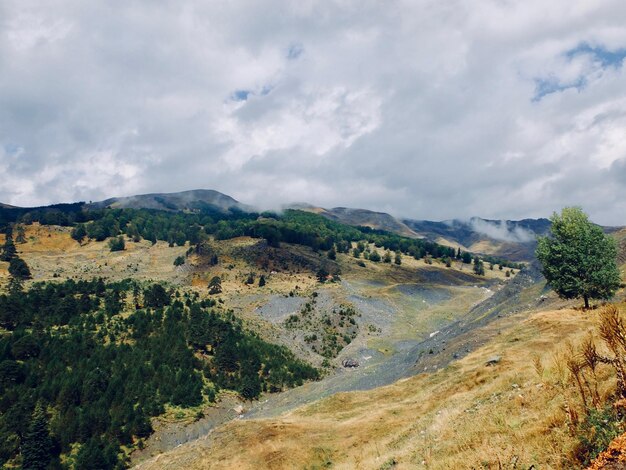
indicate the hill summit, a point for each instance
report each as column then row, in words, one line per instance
column 185, row 200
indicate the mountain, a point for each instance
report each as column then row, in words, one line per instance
column 361, row 217
column 181, row 201
column 512, row 239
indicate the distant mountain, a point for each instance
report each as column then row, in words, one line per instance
column 512, row 239
column 186, row 200
column 361, row 217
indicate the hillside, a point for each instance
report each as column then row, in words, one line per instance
column 369, row 311
column 468, row 415
column 362, row 218
column 513, row 240
column 361, row 347
column 186, row 200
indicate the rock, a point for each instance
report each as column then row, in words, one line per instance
column 493, row 360
column 350, row 363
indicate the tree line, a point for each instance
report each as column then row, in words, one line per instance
column 80, row 379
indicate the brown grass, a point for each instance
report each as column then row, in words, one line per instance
column 468, row 415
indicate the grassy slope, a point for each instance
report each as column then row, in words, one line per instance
column 364, row 429
column 466, row 415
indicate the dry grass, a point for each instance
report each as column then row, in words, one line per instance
column 468, row 415
column 51, row 253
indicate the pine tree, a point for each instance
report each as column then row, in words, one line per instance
column 37, row 445
column 8, row 249
column 19, row 269
column 21, row 235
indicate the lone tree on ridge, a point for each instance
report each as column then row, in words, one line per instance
column 579, row 260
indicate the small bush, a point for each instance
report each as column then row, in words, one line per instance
column 117, row 244
column 596, row 432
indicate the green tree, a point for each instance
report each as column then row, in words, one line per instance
column 578, row 260
column 21, row 235
column 322, row 274
column 117, row 244
column 19, row 269
column 479, row 267
column 79, row 233
column 398, row 258
column 37, row 445
column 215, row 285
column 8, row 249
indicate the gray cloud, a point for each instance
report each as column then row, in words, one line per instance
column 424, row 109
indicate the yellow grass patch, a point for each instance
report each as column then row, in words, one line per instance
column 467, row 415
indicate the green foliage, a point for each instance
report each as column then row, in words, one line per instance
column 179, row 261
column 596, row 432
column 37, row 444
column 98, row 454
column 8, row 249
column 466, row 257
column 101, row 377
column 578, row 260
column 79, row 233
column 117, row 244
column 19, row 269
column 479, row 267
column 177, row 228
column 21, row 235
column 322, row 274
column 398, row 258
column 262, row 280
column 215, row 285
column 374, row 256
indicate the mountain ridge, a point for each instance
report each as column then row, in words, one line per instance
column 511, row 239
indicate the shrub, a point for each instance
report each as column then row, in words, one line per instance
column 117, row 244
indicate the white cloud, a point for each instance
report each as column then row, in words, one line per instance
column 502, row 230
column 427, row 109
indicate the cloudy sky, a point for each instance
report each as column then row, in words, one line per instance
column 422, row 108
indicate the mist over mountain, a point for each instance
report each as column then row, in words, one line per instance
column 196, row 199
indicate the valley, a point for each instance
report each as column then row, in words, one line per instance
column 410, row 350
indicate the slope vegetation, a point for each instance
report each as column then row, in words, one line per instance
column 467, row 415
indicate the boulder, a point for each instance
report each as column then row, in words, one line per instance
column 350, row 363
column 493, row 360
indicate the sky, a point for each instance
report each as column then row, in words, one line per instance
column 428, row 109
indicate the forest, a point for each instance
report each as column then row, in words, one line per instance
column 85, row 364
column 177, row 228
